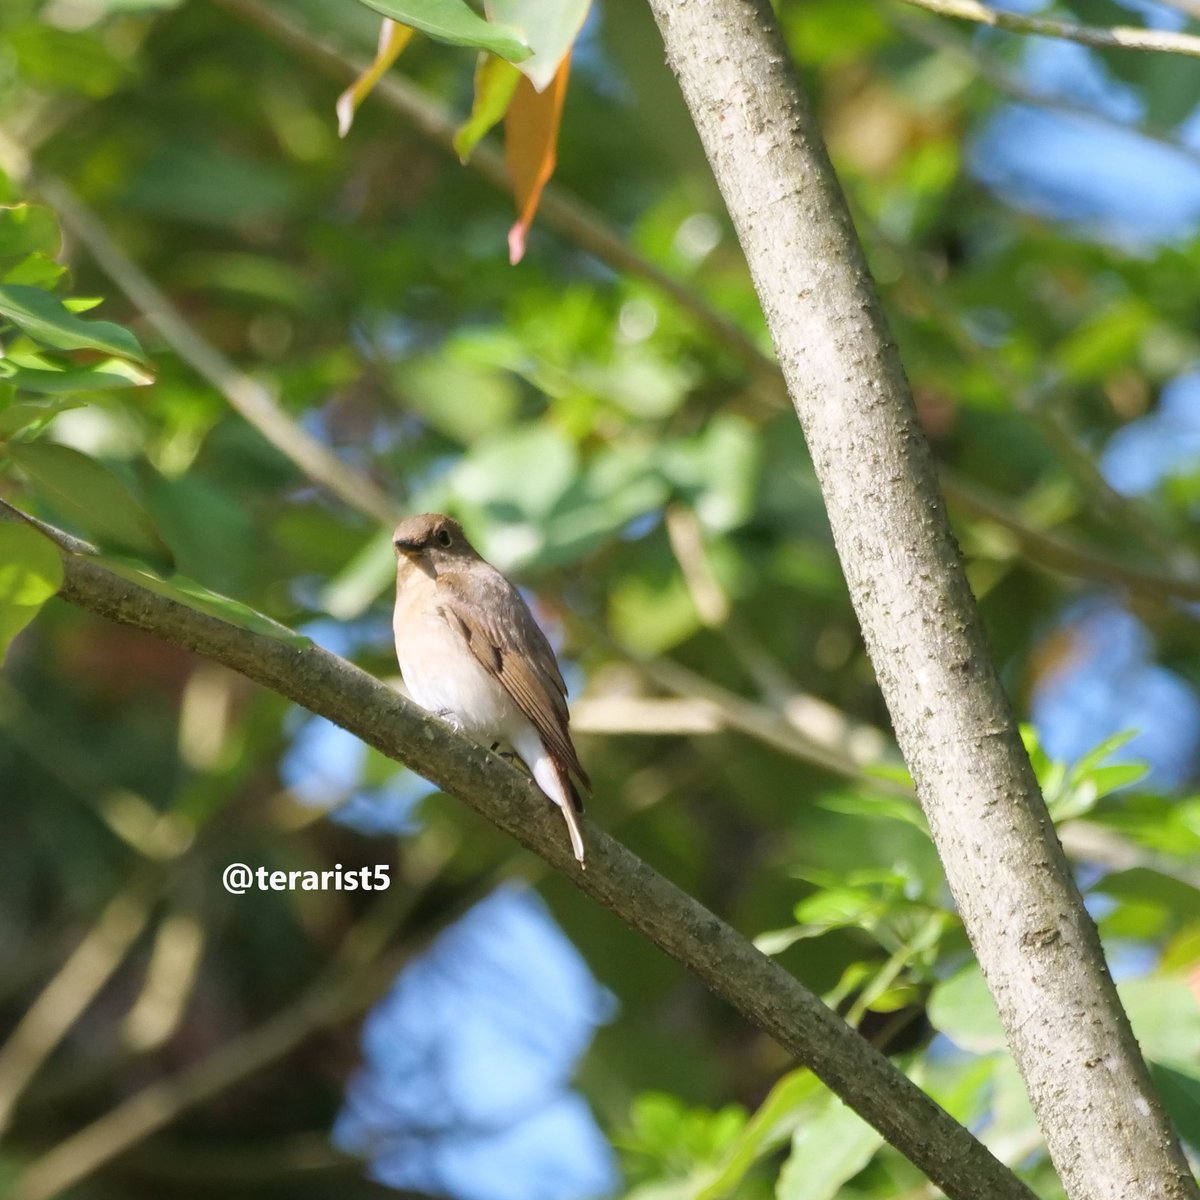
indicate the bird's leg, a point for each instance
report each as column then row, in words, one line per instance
column 508, row 756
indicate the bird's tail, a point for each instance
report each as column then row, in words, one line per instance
column 555, row 780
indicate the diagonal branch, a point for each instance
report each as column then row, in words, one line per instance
column 941, row 37
column 678, row 924
column 1123, row 37
column 75, row 985
column 245, row 395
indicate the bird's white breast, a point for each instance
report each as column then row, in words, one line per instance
column 440, row 671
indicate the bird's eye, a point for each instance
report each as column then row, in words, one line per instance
column 443, row 537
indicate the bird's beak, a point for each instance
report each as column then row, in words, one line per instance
column 408, row 547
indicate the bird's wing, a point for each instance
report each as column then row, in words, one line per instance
column 500, row 631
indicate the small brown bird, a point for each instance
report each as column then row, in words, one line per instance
column 471, row 652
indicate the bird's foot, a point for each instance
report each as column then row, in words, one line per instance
column 451, row 718
column 508, row 755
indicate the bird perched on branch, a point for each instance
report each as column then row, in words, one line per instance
column 471, row 653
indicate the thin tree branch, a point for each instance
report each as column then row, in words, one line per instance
column 75, row 985
column 939, row 36
column 357, row 977
column 678, row 924
column 245, row 395
column 1124, row 37
column 1105, row 1128
column 1063, row 555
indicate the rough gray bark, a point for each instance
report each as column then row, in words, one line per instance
column 679, row 925
column 1103, row 1123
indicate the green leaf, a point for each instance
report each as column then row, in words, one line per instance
column 1180, row 1092
column 1094, row 757
column 196, row 596
column 962, row 1009
column 876, row 807
column 717, row 471
column 70, row 60
column 1106, row 341
column 355, row 588
column 774, row 1121
column 92, row 496
column 1107, row 780
column 28, row 229
column 32, row 415
column 1165, row 1017
column 31, row 571
column 96, row 377
column 549, row 26
column 47, row 320
column 35, row 270
column 495, row 83
column 837, row 907
column 1141, row 885
column 830, row 1147
column 454, row 22
column 518, row 474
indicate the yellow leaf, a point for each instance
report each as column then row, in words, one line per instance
column 393, row 37
column 530, row 141
column 495, row 83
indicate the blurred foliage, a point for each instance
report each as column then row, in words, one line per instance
column 646, row 485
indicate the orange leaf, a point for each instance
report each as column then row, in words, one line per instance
column 530, row 140
column 393, row 37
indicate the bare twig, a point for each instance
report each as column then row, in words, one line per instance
column 1124, row 37
column 248, row 397
column 1060, row 553
column 359, row 974
column 75, row 986
column 939, row 36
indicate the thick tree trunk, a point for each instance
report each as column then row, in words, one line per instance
column 1102, row 1120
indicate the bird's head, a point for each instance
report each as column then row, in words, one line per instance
column 432, row 542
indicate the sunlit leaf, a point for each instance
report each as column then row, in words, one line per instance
column 530, row 148
column 495, row 83
column 393, row 38
column 455, row 22
column 48, row 320
column 93, row 497
column 31, row 414
column 73, row 60
column 31, row 571
column 35, row 270
column 96, row 377
column 549, row 26
column 829, row 1148
column 962, row 1009
column 196, row 596
column 774, row 1121
column 28, row 229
